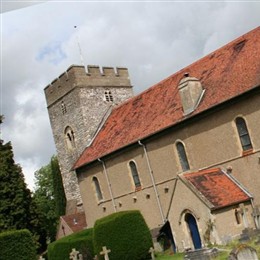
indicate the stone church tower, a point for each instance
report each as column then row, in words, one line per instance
column 78, row 103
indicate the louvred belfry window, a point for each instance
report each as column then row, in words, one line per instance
column 109, row 96
column 243, row 134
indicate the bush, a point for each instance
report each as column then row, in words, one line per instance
column 17, row 244
column 125, row 233
column 81, row 241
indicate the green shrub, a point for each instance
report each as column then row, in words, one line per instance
column 125, row 233
column 81, row 241
column 17, row 244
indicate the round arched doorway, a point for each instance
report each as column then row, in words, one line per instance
column 193, row 229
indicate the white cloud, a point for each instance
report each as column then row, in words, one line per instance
column 152, row 39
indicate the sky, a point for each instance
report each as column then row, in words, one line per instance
column 153, row 39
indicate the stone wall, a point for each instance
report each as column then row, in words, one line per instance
column 78, row 103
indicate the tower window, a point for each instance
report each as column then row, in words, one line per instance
column 97, row 188
column 182, row 156
column 108, row 96
column 63, row 108
column 70, row 138
column 243, row 134
column 135, row 174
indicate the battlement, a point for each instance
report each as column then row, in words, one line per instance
column 77, row 76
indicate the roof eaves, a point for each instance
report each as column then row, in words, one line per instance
column 233, row 179
column 229, row 205
column 183, row 120
column 197, row 193
column 64, row 222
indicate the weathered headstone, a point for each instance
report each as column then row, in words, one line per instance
column 151, row 251
column 201, row 254
column 243, row 252
column 74, row 254
column 105, row 252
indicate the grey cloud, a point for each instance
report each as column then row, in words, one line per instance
column 153, row 40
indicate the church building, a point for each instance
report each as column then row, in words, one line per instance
column 185, row 152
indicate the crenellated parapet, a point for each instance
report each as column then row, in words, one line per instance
column 77, row 76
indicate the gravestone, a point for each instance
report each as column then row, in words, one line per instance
column 201, row 254
column 243, row 252
column 75, row 255
column 105, row 252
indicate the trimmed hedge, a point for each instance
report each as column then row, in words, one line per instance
column 17, row 244
column 125, row 233
column 81, row 241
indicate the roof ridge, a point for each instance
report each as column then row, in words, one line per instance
column 238, row 39
column 222, row 74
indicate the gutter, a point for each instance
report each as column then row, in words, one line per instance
column 153, row 182
column 182, row 120
column 109, row 184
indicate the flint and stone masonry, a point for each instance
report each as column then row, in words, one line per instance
column 78, row 103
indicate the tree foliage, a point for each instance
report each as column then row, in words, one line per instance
column 16, row 201
column 58, row 190
column 17, row 208
column 49, row 197
column 82, row 241
column 125, row 233
column 44, row 199
column 18, row 244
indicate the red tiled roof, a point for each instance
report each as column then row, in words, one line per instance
column 224, row 74
column 76, row 222
column 217, row 187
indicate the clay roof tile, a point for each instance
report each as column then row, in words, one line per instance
column 217, row 187
column 224, row 74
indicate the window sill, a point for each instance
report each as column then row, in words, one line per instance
column 247, row 152
column 100, row 202
column 138, row 188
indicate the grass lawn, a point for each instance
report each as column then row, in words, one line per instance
column 223, row 255
column 169, row 255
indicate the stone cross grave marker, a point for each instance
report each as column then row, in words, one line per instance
column 151, row 251
column 74, row 254
column 105, row 252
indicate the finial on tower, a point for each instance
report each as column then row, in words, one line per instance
column 80, row 52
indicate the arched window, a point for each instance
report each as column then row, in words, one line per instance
column 182, row 156
column 243, row 134
column 97, row 188
column 70, row 138
column 135, row 174
column 238, row 216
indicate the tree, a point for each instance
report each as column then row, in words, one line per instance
column 16, row 202
column 58, row 190
column 18, row 210
column 44, row 199
column 49, row 197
